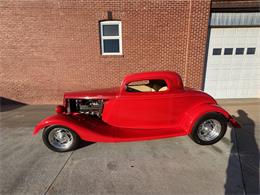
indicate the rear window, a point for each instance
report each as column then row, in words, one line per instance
column 156, row 85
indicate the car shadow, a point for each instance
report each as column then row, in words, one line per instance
column 84, row 144
column 243, row 165
column 8, row 104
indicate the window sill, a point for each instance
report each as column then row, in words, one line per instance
column 112, row 56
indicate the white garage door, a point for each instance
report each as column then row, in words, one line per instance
column 233, row 64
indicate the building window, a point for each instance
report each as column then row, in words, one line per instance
column 111, row 37
column 240, row 51
column 216, row 51
column 228, row 51
column 250, row 51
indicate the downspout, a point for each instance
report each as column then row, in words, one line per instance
column 187, row 45
column 206, row 51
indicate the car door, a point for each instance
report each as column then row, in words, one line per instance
column 146, row 109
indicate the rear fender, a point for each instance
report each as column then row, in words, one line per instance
column 193, row 115
column 86, row 129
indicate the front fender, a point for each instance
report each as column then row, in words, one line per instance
column 88, row 129
column 57, row 119
column 195, row 113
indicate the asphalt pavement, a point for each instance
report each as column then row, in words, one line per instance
column 166, row 166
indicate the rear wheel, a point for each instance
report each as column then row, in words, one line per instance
column 209, row 129
column 60, row 138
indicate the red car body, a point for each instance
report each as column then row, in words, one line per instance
column 128, row 116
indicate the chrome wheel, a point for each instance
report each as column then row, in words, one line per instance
column 209, row 130
column 60, row 138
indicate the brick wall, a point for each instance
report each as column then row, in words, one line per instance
column 48, row 47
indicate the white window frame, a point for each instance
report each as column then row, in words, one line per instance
column 119, row 37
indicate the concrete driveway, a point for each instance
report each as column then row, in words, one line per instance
column 167, row 166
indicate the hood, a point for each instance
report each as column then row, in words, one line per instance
column 93, row 94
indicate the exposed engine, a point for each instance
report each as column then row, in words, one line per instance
column 92, row 107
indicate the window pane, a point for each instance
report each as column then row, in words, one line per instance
column 240, row 51
column 147, row 86
column 216, row 51
column 111, row 46
column 136, row 83
column 250, row 51
column 110, row 30
column 228, row 51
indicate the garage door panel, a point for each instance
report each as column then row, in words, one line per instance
column 258, row 74
column 242, row 74
column 254, row 32
column 234, row 93
column 218, row 74
column 254, row 63
column 218, row 66
column 235, row 74
column 229, row 33
column 218, row 33
column 238, row 61
column 218, row 41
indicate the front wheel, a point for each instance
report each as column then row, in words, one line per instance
column 209, row 129
column 60, row 139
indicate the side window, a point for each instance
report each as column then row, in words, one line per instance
column 216, row 51
column 228, row 51
column 111, row 37
column 240, row 51
column 147, row 86
column 250, row 51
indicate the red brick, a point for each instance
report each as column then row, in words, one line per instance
column 48, row 47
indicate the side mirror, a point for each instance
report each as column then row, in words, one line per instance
column 60, row 109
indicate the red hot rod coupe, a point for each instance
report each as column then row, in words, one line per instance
column 150, row 105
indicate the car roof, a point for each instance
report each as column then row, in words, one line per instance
column 173, row 79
